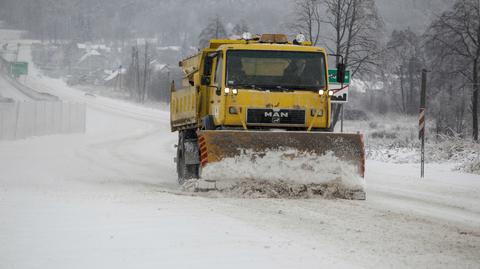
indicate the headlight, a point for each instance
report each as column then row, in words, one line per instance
column 321, row 92
column 235, row 91
column 227, row 91
column 330, row 93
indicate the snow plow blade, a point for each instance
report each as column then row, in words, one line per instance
column 243, row 154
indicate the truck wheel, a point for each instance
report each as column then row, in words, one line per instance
column 186, row 171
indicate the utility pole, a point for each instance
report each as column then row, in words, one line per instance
column 145, row 70
column 137, row 73
column 132, row 75
column 120, row 77
column 18, row 52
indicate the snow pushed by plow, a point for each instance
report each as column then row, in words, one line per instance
column 283, row 173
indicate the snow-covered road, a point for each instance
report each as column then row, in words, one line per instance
column 109, row 199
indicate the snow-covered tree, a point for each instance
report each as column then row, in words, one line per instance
column 454, row 36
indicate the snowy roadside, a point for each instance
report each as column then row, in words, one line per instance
column 109, row 199
column 394, row 139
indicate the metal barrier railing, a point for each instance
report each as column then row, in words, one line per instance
column 20, row 120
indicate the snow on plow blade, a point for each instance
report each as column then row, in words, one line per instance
column 304, row 158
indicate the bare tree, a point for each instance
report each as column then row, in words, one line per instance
column 456, row 34
column 307, row 19
column 214, row 29
column 357, row 26
column 240, row 28
column 405, row 59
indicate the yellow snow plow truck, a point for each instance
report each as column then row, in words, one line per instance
column 258, row 109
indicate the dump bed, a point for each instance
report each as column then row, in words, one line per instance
column 184, row 99
column 183, row 108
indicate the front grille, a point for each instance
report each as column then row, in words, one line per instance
column 275, row 116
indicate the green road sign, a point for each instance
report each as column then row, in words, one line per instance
column 332, row 76
column 19, row 68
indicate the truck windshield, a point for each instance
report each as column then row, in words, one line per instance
column 276, row 70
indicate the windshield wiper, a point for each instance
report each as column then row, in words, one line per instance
column 265, row 87
column 248, row 86
column 276, row 87
column 289, row 88
column 307, row 87
column 280, row 87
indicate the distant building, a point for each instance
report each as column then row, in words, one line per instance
column 92, row 60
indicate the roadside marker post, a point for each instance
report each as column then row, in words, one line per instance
column 421, row 121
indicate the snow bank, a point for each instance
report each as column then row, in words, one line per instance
column 393, row 138
column 473, row 167
column 284, row 173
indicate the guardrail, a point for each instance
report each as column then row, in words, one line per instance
column 20, row 120
column 45, row 115
column 31, row 93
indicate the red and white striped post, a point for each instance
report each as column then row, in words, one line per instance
column 421, row 121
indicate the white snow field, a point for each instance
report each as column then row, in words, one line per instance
column 109, row 199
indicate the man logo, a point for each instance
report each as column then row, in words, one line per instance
column 276, row 114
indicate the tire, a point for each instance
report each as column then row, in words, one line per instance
column 185, row 171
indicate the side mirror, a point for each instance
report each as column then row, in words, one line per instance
column 341, row 73
column 218, row 91
column 205, row 80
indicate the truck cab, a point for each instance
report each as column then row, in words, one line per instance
column 257, row 84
